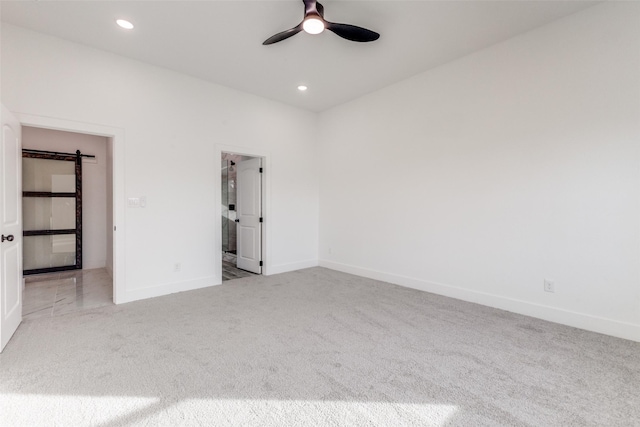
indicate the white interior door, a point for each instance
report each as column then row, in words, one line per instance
column 10, row 227
column 249, row 227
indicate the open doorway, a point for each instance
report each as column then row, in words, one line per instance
column 47, row 291
column 242, row 215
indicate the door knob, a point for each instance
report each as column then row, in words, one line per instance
column 9, row 237
column 237, row 220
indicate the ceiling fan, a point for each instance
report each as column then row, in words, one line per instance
column 314, row 23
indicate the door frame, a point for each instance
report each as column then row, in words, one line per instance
column 116, row 135
column 266, row 204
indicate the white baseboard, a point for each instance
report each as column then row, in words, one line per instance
column 587, row 322
column 165, row 289
column 284, row 268
column 93, row 263
column 170, row 288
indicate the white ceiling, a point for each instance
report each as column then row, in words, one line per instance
column 221, row 41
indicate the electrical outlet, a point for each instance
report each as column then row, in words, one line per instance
column 549, row 285
column 177, row 267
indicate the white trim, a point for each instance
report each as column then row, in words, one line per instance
column 588, row 322
column 292, row 266
column 117, row 136
column 266, row 204
column 168, row 288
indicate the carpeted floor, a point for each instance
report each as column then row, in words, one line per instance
column 313, row 347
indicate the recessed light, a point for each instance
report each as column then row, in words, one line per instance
column 302, row 88
column 124, row 24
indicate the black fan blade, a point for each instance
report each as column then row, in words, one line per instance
column 353, row 33
column 283, row 35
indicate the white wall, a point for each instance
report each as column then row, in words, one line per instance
column 94, row 185
column 171, row 125
column 482, row 177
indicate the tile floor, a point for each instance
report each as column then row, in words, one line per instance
column 52, row 294
column 229, row 269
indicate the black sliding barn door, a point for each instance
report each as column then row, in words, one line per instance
column 51, row 211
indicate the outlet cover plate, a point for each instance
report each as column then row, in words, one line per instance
column 549, row 285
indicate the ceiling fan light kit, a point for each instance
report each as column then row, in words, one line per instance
column 314, row 23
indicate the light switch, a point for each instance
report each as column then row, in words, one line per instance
column 133, row 202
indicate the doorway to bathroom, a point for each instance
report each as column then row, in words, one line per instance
column 242, row 217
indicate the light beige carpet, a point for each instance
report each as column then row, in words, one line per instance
column 313, row 347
